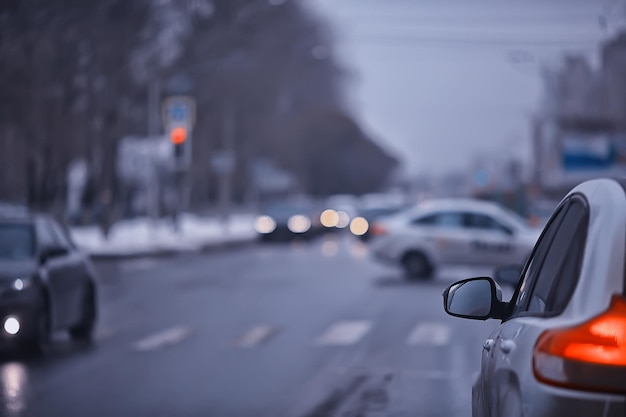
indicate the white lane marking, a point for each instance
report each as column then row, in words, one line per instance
column 164, row 338
column 429, row 334
column 344, row 333
column 139, row 265
column 256, row 335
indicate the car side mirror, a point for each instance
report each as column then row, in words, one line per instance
column 508, row 275
column 474, row 298
column 52, row 252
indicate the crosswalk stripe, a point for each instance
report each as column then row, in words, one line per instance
column 164, row 338
column 429, row 334
column 256, row 336
column 344, row 333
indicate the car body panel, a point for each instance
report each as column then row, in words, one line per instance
column 57, row 284
column 507, row 385
column 452, row 245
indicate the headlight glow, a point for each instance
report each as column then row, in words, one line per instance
column 359, row 226
column 20, row 284
column 329, row 218
column 11, row 325
column 344, row 219
column 299, row 223
column 264, row 225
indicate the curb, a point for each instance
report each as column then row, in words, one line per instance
column 167, row 253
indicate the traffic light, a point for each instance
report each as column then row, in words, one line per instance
column 178, row 135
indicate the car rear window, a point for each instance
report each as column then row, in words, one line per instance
column 16, row 241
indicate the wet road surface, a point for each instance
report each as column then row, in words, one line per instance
column 297, row 330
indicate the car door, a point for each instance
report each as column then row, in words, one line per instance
column 492, row 242
column 444, row 233
column 60, row 272
column 75, row 273
column 545, row 288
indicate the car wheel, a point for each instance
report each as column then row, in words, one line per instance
column 417, row 266
column 84, row 330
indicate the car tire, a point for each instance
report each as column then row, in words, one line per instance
column 417, row 266
column 84, row 330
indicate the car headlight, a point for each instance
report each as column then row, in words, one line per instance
column 264, row 225
column 329, row 218
column 343, row 219
column 299, row 223
column 359, row 226
column 21, row 284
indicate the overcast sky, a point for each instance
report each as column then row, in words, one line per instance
column 440, row 82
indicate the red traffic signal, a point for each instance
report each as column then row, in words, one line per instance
column 178, row 135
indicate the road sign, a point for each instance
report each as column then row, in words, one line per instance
column 179, row 111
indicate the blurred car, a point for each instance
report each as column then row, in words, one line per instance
column 360, row 226
column 339, row 210
column 285, row 221
column 46, row 284
column 452, row 232
column 561, row 347
column 539, row 212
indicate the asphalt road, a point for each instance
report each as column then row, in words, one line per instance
column 297, row 330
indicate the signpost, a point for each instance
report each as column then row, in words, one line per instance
column 179, row 117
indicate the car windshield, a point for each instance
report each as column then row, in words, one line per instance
column 16, row 241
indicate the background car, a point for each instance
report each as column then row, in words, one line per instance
column 360, row 226
column 46, row 284
column 561, row 347
column 288, row 220
column 452, row 232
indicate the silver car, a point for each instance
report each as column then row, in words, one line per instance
column 452, row 232
column 561, row 347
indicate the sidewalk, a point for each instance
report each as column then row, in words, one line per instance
column 145, row 237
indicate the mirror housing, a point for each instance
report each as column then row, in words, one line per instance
column 508, row 275
column 52, row 252
column 474, row 298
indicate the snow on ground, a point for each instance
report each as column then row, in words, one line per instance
column 144, row 236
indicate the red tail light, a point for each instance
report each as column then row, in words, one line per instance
column 378, row 229
column 590, row 356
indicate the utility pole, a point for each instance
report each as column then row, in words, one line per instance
column 154, row 109
column 179, row 112
column 224, row 161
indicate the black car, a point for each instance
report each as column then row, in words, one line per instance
column 284, row 221
column 46, row 284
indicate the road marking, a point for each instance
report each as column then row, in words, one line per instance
column 167, row 337
column 344, row 333
column 256, row 336
column 429, row 334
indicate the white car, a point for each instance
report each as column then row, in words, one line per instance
column 561, row 347
column 452, row 232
